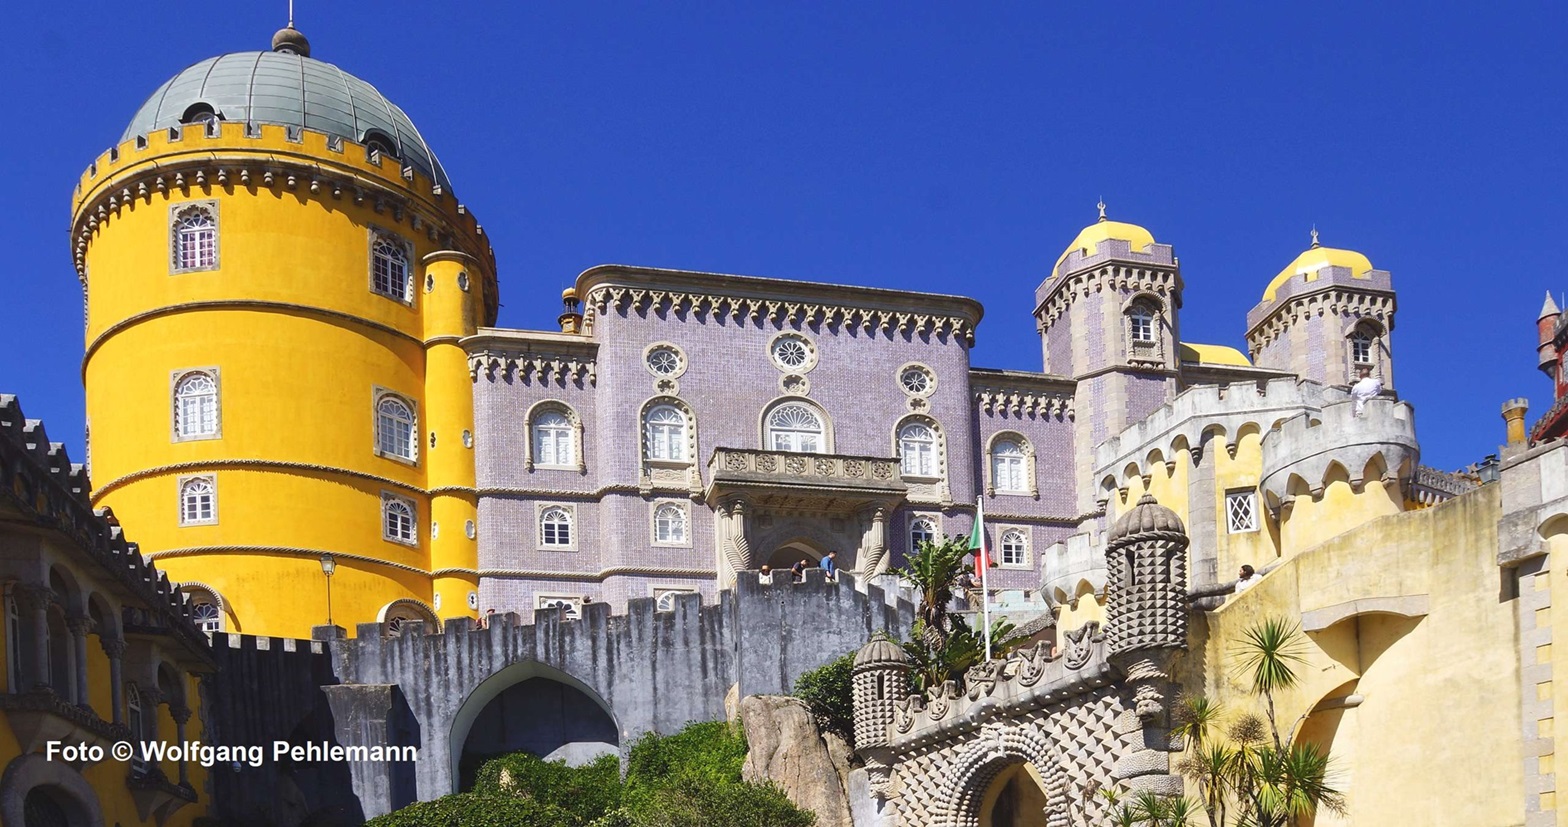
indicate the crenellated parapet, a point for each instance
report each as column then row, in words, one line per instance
column 303, row 163
column 1303, row 454
column 1208, row 414
column 1113, row 268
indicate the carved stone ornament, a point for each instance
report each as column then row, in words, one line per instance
column 982, row 678
column 1080, row 645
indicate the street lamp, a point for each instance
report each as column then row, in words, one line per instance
column 328, row 566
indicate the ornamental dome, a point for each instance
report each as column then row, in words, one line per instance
column 1314, row 259
column 880, row 652
column 287, row 87
column 1089, row 238
column 1147, row 517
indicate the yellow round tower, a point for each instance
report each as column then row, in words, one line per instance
column 276, row 277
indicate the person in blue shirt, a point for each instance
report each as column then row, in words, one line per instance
column 829, row 566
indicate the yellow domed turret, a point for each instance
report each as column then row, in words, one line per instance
column 1313, row 260
column 1088, row 240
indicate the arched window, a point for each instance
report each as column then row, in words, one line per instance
column 669, row 524
column 41, row 809
column 207, row 616
column 1140, row 323
column 389, row 268
column 921, row 530
column 379, row 142
column 1009, row 467
column 794, row 426
column 1015, row 547
column 13, row 641
column 553, row 439
column 395, row 431
column 917, row 450
column 1361, row 347
column 140, row 723
column 571, row 608
column 397, row 520
column 665, row 433
column 196, row 406
column 399, row 613
column 664, row 599
column 555, row 527
column 198, row 501
column 195, row 238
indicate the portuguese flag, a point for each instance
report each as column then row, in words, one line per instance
column 977, row 544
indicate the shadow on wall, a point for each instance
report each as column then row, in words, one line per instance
column 542, row 717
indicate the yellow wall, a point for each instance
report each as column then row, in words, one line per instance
column 1439, row 690
column 300, row 343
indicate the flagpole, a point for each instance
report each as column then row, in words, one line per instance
column 984, row 561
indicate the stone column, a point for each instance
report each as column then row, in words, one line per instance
column 876, row 558
column 34, row 600
column 80, row 627
column 736, row 548
column 181, row 715
column 115, row 649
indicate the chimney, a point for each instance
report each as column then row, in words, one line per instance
column 1513, row 414
column 571, row 317
column 1546, row 330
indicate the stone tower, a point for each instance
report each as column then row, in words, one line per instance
column 881, row 680
column 1108, row 316
column 276, row 276
column 1326, row 316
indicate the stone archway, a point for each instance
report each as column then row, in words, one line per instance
column 985, row 760
column 1016, row 798
column 531, row 707
column 785, row 555
column 66, row 790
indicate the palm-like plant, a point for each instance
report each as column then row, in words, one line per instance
column 1270, row 651
column 1284, row 785
column 933, row 570
column 961, row 649
column 1212, row 767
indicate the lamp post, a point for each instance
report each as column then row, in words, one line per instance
column 328, row 566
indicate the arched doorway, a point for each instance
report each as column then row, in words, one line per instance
column 531, row 707
column 789, row 553
column 1015, row 798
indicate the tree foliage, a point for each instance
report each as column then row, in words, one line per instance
column 829, row 691
column 689, row 779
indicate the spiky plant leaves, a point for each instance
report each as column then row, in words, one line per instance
column 1196, row 718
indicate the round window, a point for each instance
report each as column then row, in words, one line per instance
column 664, row 360
column 915, row 380
column 793, row 353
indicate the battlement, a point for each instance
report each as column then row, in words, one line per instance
column 1330, row 277
column 1302, row 453
column 1201, row 414
column 40, row 484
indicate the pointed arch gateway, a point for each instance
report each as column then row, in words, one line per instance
column 979, row 781
column 531, row 707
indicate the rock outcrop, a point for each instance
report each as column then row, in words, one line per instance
column 787, row 749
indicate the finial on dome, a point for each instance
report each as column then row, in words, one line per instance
column 290, row 41
column 1315, row 236
column 1101, row 205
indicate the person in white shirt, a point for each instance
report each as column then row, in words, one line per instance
column 1367, row 387
column 1246, row 579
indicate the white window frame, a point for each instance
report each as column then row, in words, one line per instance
column 531, row 445
column 389, row 504
column 796, row 439
column 659, row 448
column 915, row 520
column 1141, row 323
column 177, row 421
column 675, row 371
column 654, row 511
column 554, row 439
column 910, row 452
column 572, row 528
column 1019, row 462
column 807, row 348
column 381, row 396
column 664, row 596
column 573, row 604
column 1025, row 560
column 908, row 371
column 379, row 239
column 178, row 236
column 186, row 487
column 204, row 596
column 1241, row 511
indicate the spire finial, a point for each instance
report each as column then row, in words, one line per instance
column 1101, row 205
column 1315, row 235
column 291, row 14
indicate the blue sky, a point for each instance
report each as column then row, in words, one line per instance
column 909, row 145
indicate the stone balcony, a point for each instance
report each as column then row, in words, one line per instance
column 780, row 478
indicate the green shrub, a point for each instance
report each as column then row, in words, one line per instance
column 694, row 802
column 476, row 810
column 829, row 691
column 587, row 792
column 712, row 751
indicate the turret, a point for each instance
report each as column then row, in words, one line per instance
column 1146, row 580
column 1546, row 337
column 1324, row 317
column 880, row 679
column 1513, row 414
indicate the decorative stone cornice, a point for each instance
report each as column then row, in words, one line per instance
column 1161, row 280
column 559, row 357
column 313, row 553
column 1335, row 301
column 775, row 301
column 258, row 465
column 1021, row 400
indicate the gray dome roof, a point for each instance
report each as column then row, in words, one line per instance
column 1147, row 517
column 288, row 89
column 880, row 651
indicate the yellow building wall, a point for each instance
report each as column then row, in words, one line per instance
column 1438, row 689
column 295, row 466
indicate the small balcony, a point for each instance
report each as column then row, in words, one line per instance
column 788, row 478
